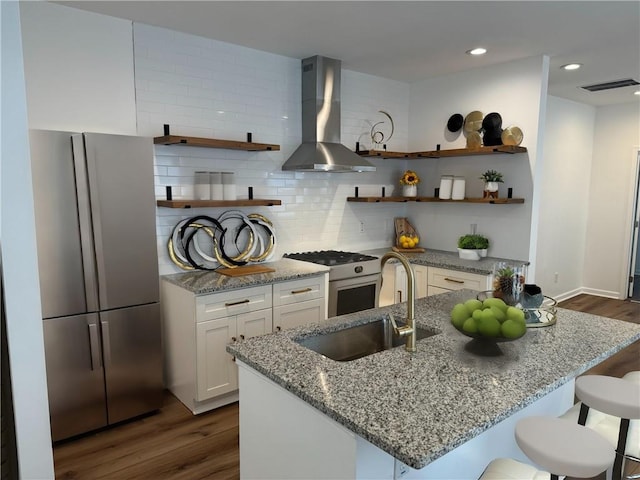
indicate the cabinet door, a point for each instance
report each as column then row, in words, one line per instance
column 400, row 285
column 216, row 373
column 421, row 275
column 255, row 324
column 297, row 314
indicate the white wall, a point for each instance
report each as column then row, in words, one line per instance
column 515, row 91
column 79, row 70
column 187, row 81
column 19, row 264
column 616, row 143
column 565, row 178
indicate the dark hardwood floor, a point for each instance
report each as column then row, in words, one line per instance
column 174, row 444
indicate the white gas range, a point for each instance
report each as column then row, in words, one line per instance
column 354, row 279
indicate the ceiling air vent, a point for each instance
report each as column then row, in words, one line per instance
column 627, row 82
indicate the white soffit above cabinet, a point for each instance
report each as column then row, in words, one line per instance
column 413, row 40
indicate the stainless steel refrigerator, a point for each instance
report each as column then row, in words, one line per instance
column 97, row 257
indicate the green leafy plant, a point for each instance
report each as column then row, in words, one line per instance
column 473, row 242
column 491, row 176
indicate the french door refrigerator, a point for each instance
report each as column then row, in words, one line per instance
column 95, row 226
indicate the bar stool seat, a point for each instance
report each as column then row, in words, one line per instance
column 509, row 469
column 564, row 448
column 619, row 397
column 615, row 396
column 609, row 425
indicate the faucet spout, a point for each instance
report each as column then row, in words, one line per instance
column 409, row 330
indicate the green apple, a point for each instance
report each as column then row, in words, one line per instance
column 489, row 326
column 477, row 315
column 513, row 329
column 498, row 313
column 516, row 314
column 470, row 326
column 472, row 305
column 459, row 314
column 495, row 302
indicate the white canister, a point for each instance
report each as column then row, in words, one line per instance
column 229, row 186
column 446, row 184
column 201, row 189
column 215, row 182
column 457, row 191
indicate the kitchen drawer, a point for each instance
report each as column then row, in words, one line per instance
column 295, row 291
column 453, row 280
column 234, row 302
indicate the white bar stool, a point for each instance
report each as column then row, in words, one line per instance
column 560, row 446
column 613, row 396
column 564, row 448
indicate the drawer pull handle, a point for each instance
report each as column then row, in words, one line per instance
column 246, row 300
column 278, row 328
column 453, row 280
column 233, row 339
column 241, row 337
column 399, row 296
column 304, row 290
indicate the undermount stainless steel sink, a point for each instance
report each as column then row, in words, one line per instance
column 359, row 341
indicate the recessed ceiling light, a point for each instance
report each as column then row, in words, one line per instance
column 571, row 66
column 477, row 51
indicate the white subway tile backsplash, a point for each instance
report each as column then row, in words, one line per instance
column 186, row 81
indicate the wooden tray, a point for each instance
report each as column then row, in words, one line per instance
column 245, row 270
column 408, row 250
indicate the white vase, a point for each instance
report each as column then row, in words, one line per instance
column 409, row 190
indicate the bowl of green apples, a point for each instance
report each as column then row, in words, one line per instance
column 488, row 322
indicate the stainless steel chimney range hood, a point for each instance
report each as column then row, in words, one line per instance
column 321, row 150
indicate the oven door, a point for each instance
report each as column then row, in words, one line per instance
column 353, row 294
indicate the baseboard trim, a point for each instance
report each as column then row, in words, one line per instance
column 588, row 291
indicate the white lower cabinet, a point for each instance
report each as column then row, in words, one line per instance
column 198, row 328
column 394, row 283
column 299, row 302
column 441, row 280
column 216, row 370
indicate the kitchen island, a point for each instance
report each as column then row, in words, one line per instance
column 442, row 412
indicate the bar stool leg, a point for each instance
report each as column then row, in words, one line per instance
column 620, row 449
column 584, row 411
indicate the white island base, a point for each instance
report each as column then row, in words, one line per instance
column 283, row 437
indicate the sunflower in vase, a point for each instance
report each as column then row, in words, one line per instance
column 409, row 182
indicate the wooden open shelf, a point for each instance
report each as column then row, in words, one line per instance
column 214, row 143
column 217, row 203
column 456, row 152
column 492, row 201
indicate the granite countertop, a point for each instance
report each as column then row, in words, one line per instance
column 450, row 260
column 202, row 282
column 417, row 407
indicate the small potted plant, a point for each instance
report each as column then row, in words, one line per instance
column 491, row 180
column 409, row 182
column 472, row 246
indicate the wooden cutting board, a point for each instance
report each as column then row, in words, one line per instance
column 408, row 250
column 245, row 270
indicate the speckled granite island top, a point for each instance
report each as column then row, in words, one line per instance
column 450, row 260
column 202, row 282
column 417, row 407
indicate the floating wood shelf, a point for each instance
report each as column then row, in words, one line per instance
column 456, row 152
column 217, row 203
column 493, row 201
column 214, row 143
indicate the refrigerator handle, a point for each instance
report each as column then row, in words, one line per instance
column 94, row 344
column 85, row 221
column 106, row 342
